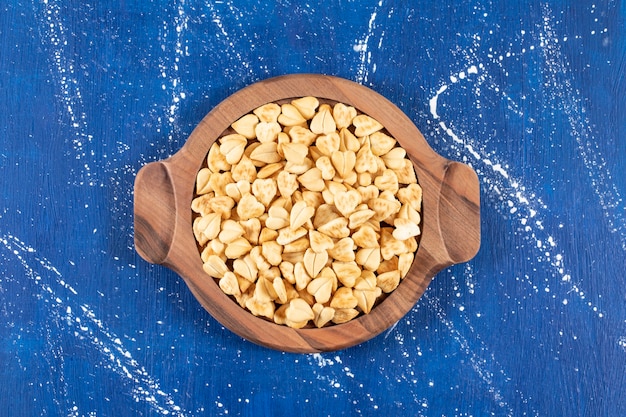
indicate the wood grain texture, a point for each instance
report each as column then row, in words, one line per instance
column 164, row 190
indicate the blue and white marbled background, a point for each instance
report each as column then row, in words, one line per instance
column 529, row 93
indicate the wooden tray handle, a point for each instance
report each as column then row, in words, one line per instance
column 459, row 212
column 155, row 212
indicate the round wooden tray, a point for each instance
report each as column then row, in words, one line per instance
column 163, row 217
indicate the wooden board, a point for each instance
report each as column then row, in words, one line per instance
column 163, row 218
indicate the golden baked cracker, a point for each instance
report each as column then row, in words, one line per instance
column 245, row 125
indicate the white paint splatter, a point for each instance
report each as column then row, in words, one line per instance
column 362, row 47
column 433, row 100
column 321, row 360
column 525, row 206
column 234, row 41
column 54, row 35
column 559, row 79
column 80, row 320
column 480, row 364
column 621, row 342
column 170, row 70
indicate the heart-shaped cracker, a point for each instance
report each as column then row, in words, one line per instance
column 268, row 112
column 290, row 116
column 366, row 237
column 369, row 258
column 229, row 284
column 383, row 208
column 251, row 230
column 230, row 231
column 267, row 233
column 266, row 152
column 213, row 247
column 277, row 219
column 388, row 265
column 411, row 195
column 313, row 198
column 343, row 115
column 286, row 269
column 272, row 251
column 202, row 181
column 366, row 281
column 365, row 125
column 323, row 314
column 278, row 284
column 301, row 135
column 336, row 228
column 237, row 248
column 269, row 170
column 200, row 204
column 245, row 125
column 388, row 181
column 259, row 260
column 389, row 245
column 359, row 217
column 368, row 192
column 343, row 299
column 249, row 207
column 347, row 201
column 298, row 245
column 347, row 272
column 264, row 190
column 244, row 170
column 405, row 229
column 326, row 167
column 312, row 180
column 207, row 227
column 406, row 173
column 381, row 143
column 267, row 131
column 324, row 214
column 236, row 190
column 301, row 275
column 222, row 205
column 288, row 235
column 314, row 262
column 321, row 288
column 215, row 266
column 215, row 160
column 232, row 147
column 287, row 183
column 388, row 281
column 218, row 182
column 299, row 311
column 306, row 106
column 344, row 315
column 323, row 122
column 348, row 142
column 260, row 308
column 393, row 159
column 343, row 250
column 343, row 162
column 320, row 242
column 328, row 144
column 246, row 268
column 404, row 263
column 365, row 160
column 299, row 169
column 366, row 298
column 300, row 214
column 295, row 152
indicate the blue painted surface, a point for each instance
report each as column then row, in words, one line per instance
column 530, row 94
